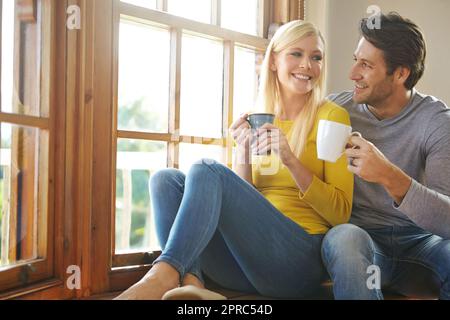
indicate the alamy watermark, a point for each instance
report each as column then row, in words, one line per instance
column 74, row 280
column 374, row 20
column 374, row 280
column 267, row 162
column 74, row 18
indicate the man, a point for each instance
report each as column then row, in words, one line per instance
column 400, row 222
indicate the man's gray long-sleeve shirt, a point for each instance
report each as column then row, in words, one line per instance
column 417, row 140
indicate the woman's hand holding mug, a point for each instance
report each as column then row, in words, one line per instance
column 270, row 138
column 241, row 133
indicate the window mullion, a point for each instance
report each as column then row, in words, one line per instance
column 264, row 13
column 228, row 82
column 301, row 9
column 174, row 99
column 216, row 13
column 5, row 228
column 1, row 51
column 161, row 5
column 296, row 10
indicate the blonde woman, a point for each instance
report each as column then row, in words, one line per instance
column 247, row 230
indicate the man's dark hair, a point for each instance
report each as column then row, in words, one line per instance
column 401, row 41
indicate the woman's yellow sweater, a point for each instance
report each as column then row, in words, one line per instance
column 328, row 200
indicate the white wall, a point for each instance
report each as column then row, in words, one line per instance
column 338, row 19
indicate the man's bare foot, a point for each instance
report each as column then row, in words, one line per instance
column 161, row 278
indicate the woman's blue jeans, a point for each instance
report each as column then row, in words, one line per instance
column 213, row 221
column 410, row 261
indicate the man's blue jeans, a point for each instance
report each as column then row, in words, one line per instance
column 411, row 262
column 214, row 221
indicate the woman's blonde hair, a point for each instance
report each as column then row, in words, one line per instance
column 269, row 88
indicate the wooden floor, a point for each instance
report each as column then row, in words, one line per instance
column 231, row 295
column 326, row 294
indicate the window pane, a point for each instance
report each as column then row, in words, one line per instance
column 246, row 63
column 150, row 4
column 190, row 153
column 7, row 55
column 199, row 10
column 201, row 87
column 23, row 159
column 240, row 15
column 21, row 65
column 137, row 160
column 144, row 54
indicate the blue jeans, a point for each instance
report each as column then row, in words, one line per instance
column 213, row 221
column 411, row 262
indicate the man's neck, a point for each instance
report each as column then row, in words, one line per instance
column 391, row 106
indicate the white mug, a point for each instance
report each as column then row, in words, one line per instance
column 331, row 139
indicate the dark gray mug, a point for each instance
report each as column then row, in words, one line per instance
column 257, row 120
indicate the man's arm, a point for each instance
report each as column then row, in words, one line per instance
column 396, row 182
column 428, row 209
column 428, row 206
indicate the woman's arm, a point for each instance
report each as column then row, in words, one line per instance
column 330, row 198
column 242, row 164
column 301, row 175
column 272, row 138
column 241, row 133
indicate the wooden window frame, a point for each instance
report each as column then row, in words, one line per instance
column 287, row 10
column 28, row 275
column 69, row 55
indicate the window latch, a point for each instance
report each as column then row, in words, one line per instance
column 24, row 276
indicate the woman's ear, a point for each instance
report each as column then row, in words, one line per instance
column 273, row 66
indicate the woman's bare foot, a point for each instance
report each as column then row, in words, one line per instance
column 190, row 292
column 161, row 278
column 190, row 279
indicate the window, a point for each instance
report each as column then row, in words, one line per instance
column 201, row 87
column 25, row 145
column 7, row 54
column 136, row 161
column 199, row 10
column 185, row 71
column 245, row 86
column 190, row 152
column 88, row 115
column 143, row 78
column 240, row 15
column 22, row 179
column 150, row 4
